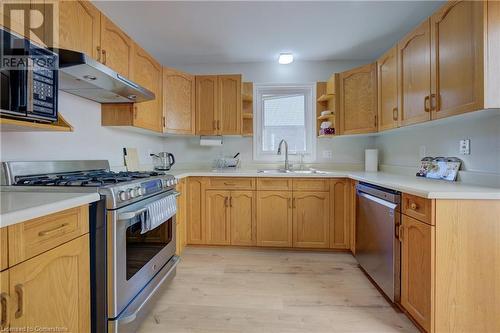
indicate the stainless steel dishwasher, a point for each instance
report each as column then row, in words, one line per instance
column 378, row 248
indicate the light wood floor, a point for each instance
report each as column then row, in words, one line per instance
column 220, row 290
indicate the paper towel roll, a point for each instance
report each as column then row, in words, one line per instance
column 211, row 141
column 371, row 160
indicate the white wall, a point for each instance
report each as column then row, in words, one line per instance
column 88, row 141
column 441, row 138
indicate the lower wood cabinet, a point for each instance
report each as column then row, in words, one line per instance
column 243, row 210
column 217, row 217
column 416, row 269
column 181, row 220
column 339, row 213
column 195, row 211
column 311, row 219
column 274, row 218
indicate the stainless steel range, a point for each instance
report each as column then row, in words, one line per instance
column 139, row 210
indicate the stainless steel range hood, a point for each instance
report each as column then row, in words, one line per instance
column 83, row 76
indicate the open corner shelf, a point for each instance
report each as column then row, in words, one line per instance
column 327, row 136
column 247, row 115
column 325, row 117
column 246, row 98
column 325, row 97
column 14, row 125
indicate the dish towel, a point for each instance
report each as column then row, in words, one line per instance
column 158, row 212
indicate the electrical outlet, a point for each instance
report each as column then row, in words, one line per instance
column 464, row 148
column 423, row 152
column 327, row 154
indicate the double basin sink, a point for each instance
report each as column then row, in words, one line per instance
column 292, row 172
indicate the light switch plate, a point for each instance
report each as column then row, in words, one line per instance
column 464, row 148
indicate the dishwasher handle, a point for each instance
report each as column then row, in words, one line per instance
column 382, row 202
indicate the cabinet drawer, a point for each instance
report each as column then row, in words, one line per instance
column 36, row 236
column 274, row 184
column 417, row 207
column 227, row 183
column 317, row 184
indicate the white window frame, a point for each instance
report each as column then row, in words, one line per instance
column 309, row 91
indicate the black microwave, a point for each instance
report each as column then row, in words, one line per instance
column 29, row 79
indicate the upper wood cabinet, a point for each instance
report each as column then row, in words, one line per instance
column 461, row 37
column 117, row 48
column 274, row 218
column 311, row 219
column 178, row 102
column 80, row 28
column 387, row 70
column 53, row 289
column 148, row 73
column 207, row 105
column 358, row 100
column 230, row 104
column 218, row 105
column 339, row 213
column 416, row 270
column 415, row 76
column 217, row 217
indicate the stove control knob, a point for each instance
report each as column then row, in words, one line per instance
column 131, row 193
column 137, row 192
column 123, row 195
column 141, row 191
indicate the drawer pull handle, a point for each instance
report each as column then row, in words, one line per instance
column 230, row 184
column 20, row 300
column 413, row 206
column 52, row 231
column 4, row 304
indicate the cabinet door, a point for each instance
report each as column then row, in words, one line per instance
column 415, row 76
column 243, row 211
column 457, row 58
column 5, row 302
column 416, row 270
column 311, row 216
column 116, row 48
column 387, row 70
column 230, row 104
column 148, row 73
column 274, row 218
column 3, row 249
column 358, row 100
column 80, row 27
column 339, row 213
column 181, row 217
column 196, row 202
column 207, row 105
column 217, row 217
column 178, row 102
column 53, row 289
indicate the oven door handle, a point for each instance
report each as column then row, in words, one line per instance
column 130, row 215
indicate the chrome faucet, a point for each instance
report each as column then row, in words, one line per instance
column 287, row 164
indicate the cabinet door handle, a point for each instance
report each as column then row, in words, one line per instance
column 427, row 107
column 230, row 201
column 218, row 124
column 401, row 232
column 104, row 57
column 225, row 201
column 413, row 206
column 98, row 48
column 135, row 112
column 53, row 230
column 434, row 102
column 395, row 114
column 20, row 300
column 4, row 305
column 214, row 124
column 293, row 203
column 289, row 202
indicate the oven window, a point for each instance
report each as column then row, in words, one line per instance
column 141, row 248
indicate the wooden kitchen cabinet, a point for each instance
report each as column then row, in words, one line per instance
column 414, row 76
column 4, row 302
column 117, row 48
column 53, row 289
column 181, row 220
column 196, row 203
column 80, row 28
column 274, row 218
column 461, row 33
column 311, row 219
column 387, row 70
column 4, row 247
column 147, row 72
column 207, row 122
column 217, row 217
column 229, row 104
column 339, row 213
column 243, row 210
column 358, row 100
column 179, row 102
column 416, row 269
column 218, row 104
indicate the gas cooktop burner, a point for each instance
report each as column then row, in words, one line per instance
column 92, row 179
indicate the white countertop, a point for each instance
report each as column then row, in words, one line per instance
column 18, row 207
column 427, row 188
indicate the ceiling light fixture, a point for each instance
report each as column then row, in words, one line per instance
column 285, row 58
